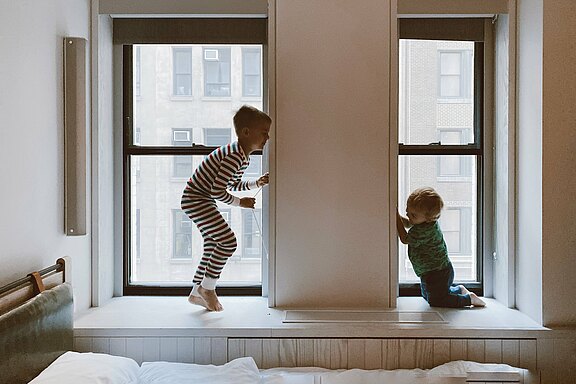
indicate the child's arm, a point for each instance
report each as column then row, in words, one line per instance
column 402, row 234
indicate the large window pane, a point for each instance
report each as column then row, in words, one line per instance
column 435, row 90
column 169, row 244
column 166, row 73
column 459, row 216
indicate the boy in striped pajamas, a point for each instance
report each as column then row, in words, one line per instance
column 222, row 171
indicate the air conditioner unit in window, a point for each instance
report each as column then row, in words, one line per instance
column 211, row 54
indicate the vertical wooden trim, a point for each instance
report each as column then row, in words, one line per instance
column 493, row 352
column 338, row 353
column 169, row 349
column 254, row 348
column 441, row 351
column 392, row 354
column 393, row 278
column 407, row 353
column 356, row 353
column 288, row 352
column 322, row 353
column 527, row 354
column 185, row 352
column 118, row 346
column 373, row 354
column 424, row 353
column 218, row 350
column 134, row 348
column 476, row 350
column 272, row 153
column 102, row 345
column 458, row 350
column 202, row 350
column 511, row 352
column 512, row 145
column 305, row 349
column 270, row 353
column 151, row 350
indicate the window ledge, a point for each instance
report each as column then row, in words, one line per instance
column 137, row 316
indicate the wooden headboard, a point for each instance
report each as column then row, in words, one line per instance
column 36, row 322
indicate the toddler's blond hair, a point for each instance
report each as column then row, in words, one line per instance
column 427, row 201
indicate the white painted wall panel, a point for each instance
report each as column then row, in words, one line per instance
column 32, row 140
column 332, row 81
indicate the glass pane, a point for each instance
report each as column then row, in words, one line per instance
column 169, row 244
column 459, row 216
column 171, row 84
column 435, row 89
column 450, row 63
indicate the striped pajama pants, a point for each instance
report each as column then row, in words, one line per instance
column 219, row 240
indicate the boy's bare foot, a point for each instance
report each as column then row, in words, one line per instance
column 197, row 300
column 476, row 301
column 211, row 299
column 463, row 290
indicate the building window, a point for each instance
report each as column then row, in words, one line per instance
column 217, row 66
column 181, row 235
column 441, row 138
column 454, row 73
column 454, row 167
column 182, row 164
column 251, row 72
column 217, row 137
column 182, row 71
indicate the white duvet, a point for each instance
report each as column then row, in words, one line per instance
column 96, row 368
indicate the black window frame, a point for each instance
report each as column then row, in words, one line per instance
column 458, row 30
column 129, row 32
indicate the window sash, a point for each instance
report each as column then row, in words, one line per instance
column 130, row 148
column 452, row 29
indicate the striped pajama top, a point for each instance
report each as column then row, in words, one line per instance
column 221, row 171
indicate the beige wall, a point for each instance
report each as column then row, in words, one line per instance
column 31, row 140
column 558, row 162
column 332, row 135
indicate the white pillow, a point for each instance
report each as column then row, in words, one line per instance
column 238, row 371
column 89, row 368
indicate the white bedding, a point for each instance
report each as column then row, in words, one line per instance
column 96, row 368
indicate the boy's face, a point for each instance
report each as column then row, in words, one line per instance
column 415, row 216
column 257, row 136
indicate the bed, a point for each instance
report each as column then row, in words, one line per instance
column 36, row 323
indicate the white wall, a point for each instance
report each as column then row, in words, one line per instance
column 331, row 173
column 529, row 160
column 31, row 139
column 558, row 162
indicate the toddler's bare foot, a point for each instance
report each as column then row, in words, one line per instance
column 476, row 301
column 197, row 300
column 463, row 290
column 211, row 299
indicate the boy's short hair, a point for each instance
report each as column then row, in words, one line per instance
column 247, row 116
column 427, row 201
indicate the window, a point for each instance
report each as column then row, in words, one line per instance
column 441, row 137
column 455, row 80
column 182, row 78
column 217, row 67
column 182, row 235
column 182, row 164
column 166, row 135
column 251, row 72
column 455, row 167
column 217, row 137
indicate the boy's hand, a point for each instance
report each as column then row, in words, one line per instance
column 263, row 180
column 247, row 202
